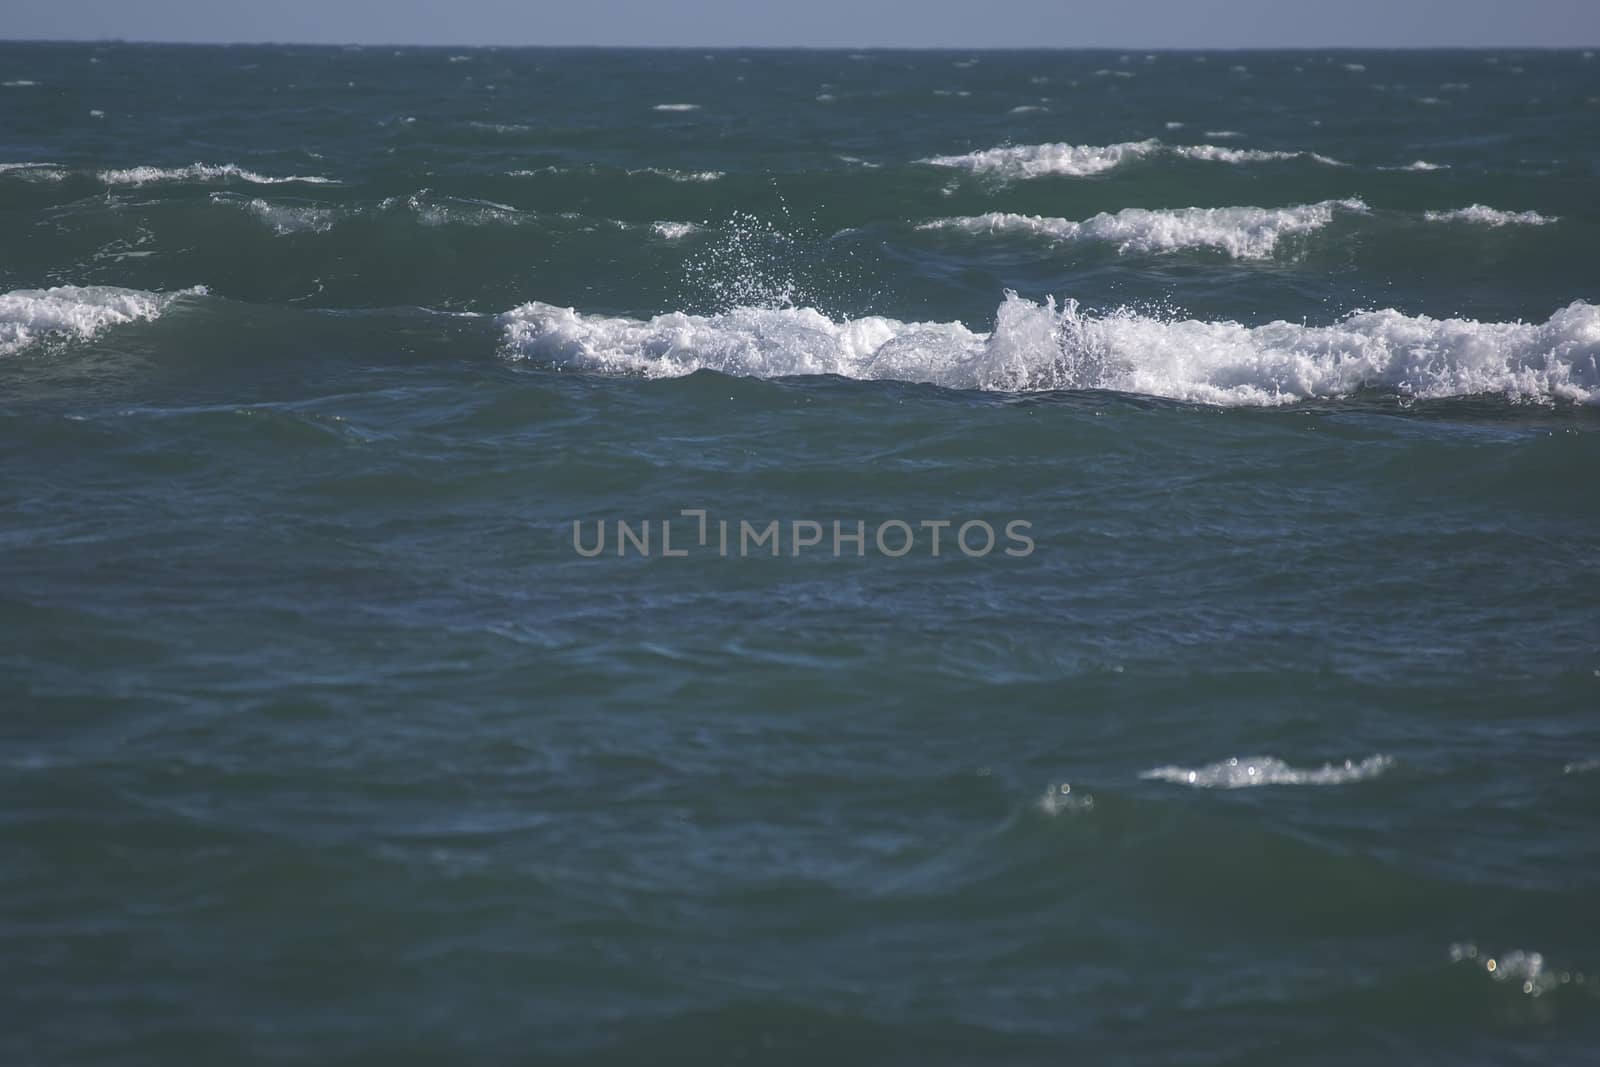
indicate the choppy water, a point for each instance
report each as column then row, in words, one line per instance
column 323, row 743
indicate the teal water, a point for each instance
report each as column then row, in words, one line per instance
column 324, row 743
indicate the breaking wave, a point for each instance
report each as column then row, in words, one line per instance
column 1082, row 161
column 202, row 172
column 1046, row 347
column 1241, row 232
column 81, row 312
column 1481, row 215
column 1241, row 772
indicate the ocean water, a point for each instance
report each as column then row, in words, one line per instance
column 1264, row 730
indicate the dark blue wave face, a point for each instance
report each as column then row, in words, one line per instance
column 619, row 555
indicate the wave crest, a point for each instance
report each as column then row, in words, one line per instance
column 1241, row 772
column 201, row 172
column 30, row 315
column 1082, row 161
column 1483, row 215
column 1046, row 347
column 1241, row 232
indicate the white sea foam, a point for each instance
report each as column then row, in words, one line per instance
column 680, row 175
column 676, row 107
column 1211, row 153
column 1481, row 215
column 1038, row 160
column 292, row 218
column 454, row 211
column 34, row 172
column 200, row 172
column 20, row 83
column 1043, row 346
column 1081, row 161
column 1420, row 165
column 672, row 231
column 1243, row 771
column 30, row 315
column 1241, row 232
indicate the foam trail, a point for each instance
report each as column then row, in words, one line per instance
column 1211, row 153
column 1083, row 161
column 1043, row 347
column 1241, row 232
column 1482, row 215
column 201, row 172
column 30, row 315
column 1241, row 772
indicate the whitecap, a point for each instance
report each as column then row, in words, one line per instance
column 1211, row 153
column 286, row 218
column 681, row 175
column 1034, row 161
column 673, row 231
column 1244, row 771
column 81, row 312
column 1482, row 215
column 1044, row 347
column 200, row 172
column 1241, row 232
column 34, row 172
column 1080, row 161
column 676, row 107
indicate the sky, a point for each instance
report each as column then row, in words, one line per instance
column 824, row 23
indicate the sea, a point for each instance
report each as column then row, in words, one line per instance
column 584, row 556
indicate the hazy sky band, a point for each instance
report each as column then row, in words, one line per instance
column 826, row 23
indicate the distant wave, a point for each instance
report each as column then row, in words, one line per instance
column 676, row 107
column 1043, row 346
column 30, row 315
column 1082, row 161
column 1241, row 232
column 422, row 207
column 1482, row 215
column 201, row 172
column 34, row 172
column 1216, row 154
column 1244, row 771
column 680, row 175
column 1035, row 161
